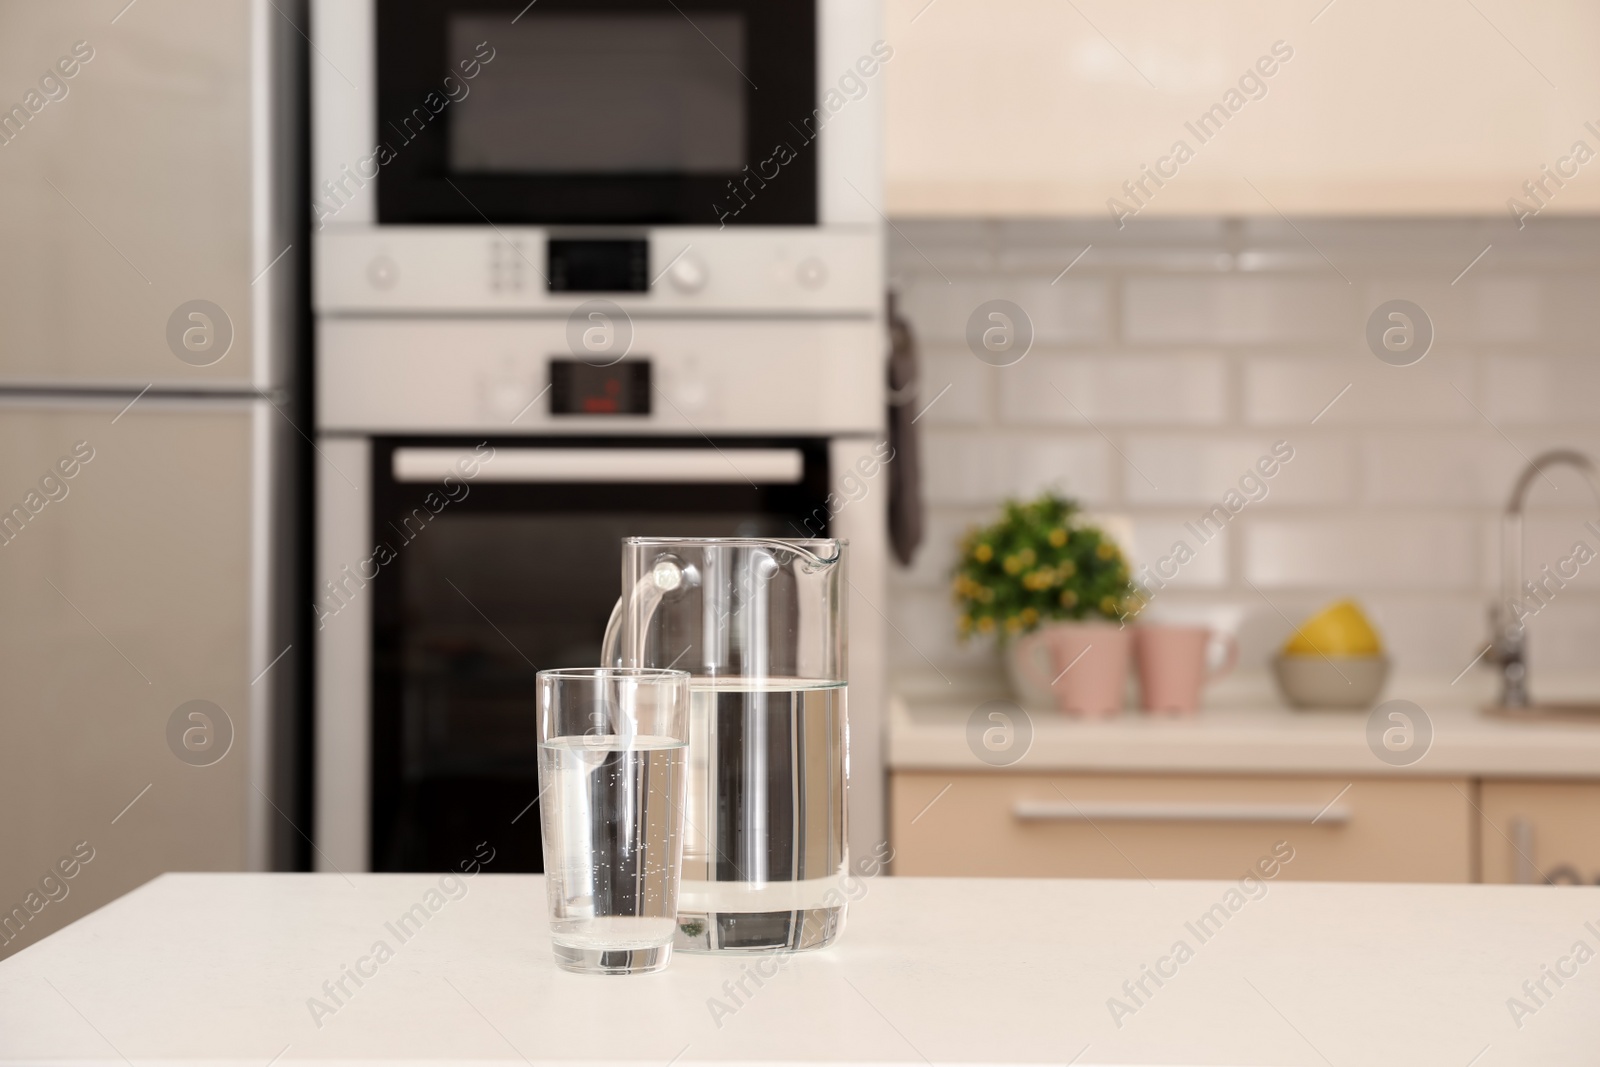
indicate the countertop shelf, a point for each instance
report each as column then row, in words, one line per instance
column 928, row 730
column 195, row 968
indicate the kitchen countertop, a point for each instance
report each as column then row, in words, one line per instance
column 1246, row 733
column 220, row 967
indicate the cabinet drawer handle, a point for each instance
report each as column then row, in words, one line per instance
column 1143, row 811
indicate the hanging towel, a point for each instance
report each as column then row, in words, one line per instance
column 905, row 470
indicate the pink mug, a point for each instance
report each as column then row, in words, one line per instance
column 1172, row 665
column 1088, row 665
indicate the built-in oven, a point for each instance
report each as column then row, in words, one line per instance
column 503, row 558
column 636, row 248
column 594, row 112
column 474, row 483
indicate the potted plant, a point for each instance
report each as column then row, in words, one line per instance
column 1056, row 593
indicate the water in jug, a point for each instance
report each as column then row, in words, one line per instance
column 759, row 624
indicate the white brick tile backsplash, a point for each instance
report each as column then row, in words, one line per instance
column 1438, row 635
column 1506, row 309
column 1434, row 634
column 1537, row 389
column 924, row 631
column 972, row 469
column 1193, row 345
column 1571, row 313
column 934, row 562
column 1239, row 310
column 1191, row 469
column 1486, row 309
column 1413, row 468
column 1113, row 390
column 1073, row 311
column 1548, row 539
column 1153, row 542
column 1394, row 551
column 1563, row 637
column 966, row 401
column 1289, row 390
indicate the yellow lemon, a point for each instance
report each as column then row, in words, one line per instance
column 1340, row 629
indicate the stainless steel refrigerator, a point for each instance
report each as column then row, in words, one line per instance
column 149, row 281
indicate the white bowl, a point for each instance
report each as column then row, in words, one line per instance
column 1331, row 681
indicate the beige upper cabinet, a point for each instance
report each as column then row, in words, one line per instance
column 1170, row 107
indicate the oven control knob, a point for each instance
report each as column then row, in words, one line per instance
column 383, row 272
column 812, row 272
column 694, row 396
column 688, row 274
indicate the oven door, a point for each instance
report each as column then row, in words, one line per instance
column 630, row 112
column 498, row 560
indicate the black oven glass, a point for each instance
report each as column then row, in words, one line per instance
column 598, row 94
column 594, row 112
column 505, row 581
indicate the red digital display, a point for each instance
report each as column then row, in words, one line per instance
column 578, row 388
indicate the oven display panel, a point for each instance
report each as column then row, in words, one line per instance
column 579, row 388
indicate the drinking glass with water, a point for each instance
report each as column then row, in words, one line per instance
column 613, row 745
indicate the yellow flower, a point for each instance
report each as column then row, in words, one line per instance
column 966, row 624
column 1027, row 557
column 1013, row 625
column 1066, row 568
column 1106, row 550
column 1029, row 616
column 1108, row 605
column 1058, row 537
column 986, row 624
column 1012, row 564
column 1068, row 598
column 983, row 553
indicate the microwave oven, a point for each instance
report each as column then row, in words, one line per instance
column 683, row 155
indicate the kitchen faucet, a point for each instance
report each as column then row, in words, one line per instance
column 1509, row 646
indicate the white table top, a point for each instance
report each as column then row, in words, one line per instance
column 929, row 732
column 216, row 968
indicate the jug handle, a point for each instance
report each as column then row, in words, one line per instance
column 646, row 593
column 611, row 644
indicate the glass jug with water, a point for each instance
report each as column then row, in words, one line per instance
column 759, row 624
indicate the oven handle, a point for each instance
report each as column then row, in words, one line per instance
column 701, row 466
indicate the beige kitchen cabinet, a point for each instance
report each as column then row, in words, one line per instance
column 1038, row 107
column 993, row 824
column 1541, row 831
